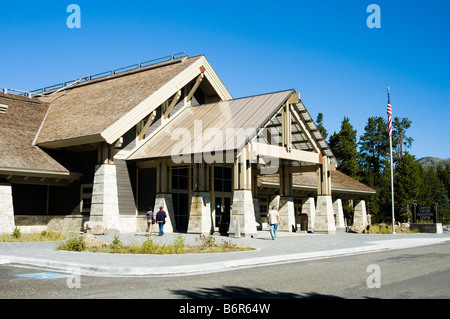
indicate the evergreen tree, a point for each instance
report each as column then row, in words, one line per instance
column 343, row 145
column 374, row 150
column 433, row 191
column 430, row 184
column 444, row 175
column 320, row 126
column 407, row 185
column 400, row 142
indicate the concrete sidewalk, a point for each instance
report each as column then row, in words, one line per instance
column 288, row 247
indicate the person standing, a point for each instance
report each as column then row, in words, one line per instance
column 273, row 218
column 161, row 220
column 150, row 222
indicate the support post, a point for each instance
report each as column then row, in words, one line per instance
column 360, row 215
column 243, row 212
column 339, row 213
column 200, row 214
column 7, row 223
column 309, row 208
column 324, row 220
column 105, row 201
column 287, row 213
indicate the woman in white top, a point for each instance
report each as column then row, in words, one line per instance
column 273, row 218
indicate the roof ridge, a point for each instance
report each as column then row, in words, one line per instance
column 109, row 75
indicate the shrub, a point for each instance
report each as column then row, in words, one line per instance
column 116, row 243
column 16, row 233
column 73, row 244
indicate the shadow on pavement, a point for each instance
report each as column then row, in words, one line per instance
column 233, row 292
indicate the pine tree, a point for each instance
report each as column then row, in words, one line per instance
column 320, row 126
column 400, row 142
column 374, row 150
column 343, row 145
column 407, row 185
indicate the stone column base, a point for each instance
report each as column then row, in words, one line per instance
column 200, row 214
column 257, row 213
column 165, row 201
column 309, row 208
column 242, row 219
column 339, row 212
column 360, row 215
column 324, row 222
column 7, row 223
column 105, row 202
column 287, row 214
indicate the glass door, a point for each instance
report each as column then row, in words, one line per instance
column 222, row 213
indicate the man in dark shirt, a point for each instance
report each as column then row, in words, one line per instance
column 161, row 220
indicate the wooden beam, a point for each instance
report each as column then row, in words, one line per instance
column 194, row 88
column 144, row 130
column 324, row 178
column 172, row 105
column 303, row 169
column 286, row 128
column 261, row 149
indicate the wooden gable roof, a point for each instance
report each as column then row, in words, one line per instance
column 106, row 108
column 18, row 128
column 249, row 114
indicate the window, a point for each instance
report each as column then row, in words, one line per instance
column 180, row 179
column 223, row 179
column 86, row 198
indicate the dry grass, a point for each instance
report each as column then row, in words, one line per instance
column 205, row 245
column 387, row 229
column 45, row 236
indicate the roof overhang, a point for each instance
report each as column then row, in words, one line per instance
column 81, row 140
column 309, row 188
column 32, row 176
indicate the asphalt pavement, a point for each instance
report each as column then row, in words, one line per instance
column 288, row 247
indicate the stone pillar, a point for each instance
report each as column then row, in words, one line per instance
column 339, row 212
column 275, row 201
column 243, row 213
column 105, row 201
column 287, row 213
column 7, row 223
column 200, row 221
column 309, row 208
column 324, row 221
column 360, row 215
column 165, row 201
column 257, row 213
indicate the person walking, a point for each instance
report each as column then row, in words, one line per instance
column 273, row 218
column 150, row 222
column 161, row 220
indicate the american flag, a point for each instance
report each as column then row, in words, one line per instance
column 389, row 112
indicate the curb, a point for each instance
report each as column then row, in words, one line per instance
column 196, row 269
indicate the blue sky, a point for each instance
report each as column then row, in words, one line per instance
column 323, row 49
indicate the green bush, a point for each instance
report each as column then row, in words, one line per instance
column 16, row 233
column 73, row 244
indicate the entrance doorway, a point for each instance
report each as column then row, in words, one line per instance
column 180, row 198
column 181, row 209
column 222, row 213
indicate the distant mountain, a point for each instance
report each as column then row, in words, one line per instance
column 433, row 161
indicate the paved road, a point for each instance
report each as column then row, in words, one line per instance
column 420, row 272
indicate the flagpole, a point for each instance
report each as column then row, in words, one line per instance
column 392, row 161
